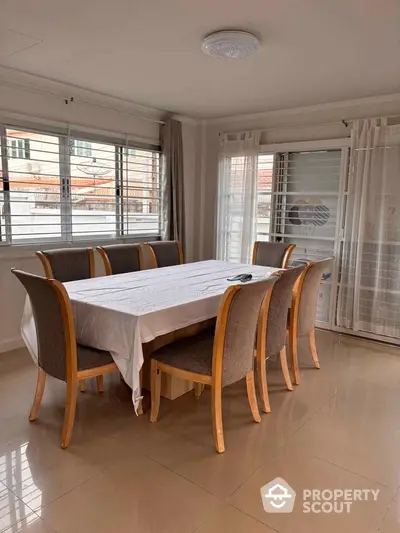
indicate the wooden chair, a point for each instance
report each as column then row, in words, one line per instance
column 272, row 254
column 274, row 342
column 303, row 311
column 221, row 359
column 59, row 355
column 68, row 264
column 166, row 253
column 121, row 258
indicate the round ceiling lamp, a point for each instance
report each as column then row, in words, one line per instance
column 230, row 44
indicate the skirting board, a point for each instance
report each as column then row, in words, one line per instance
column 11, row 344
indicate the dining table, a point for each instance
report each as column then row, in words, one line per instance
column 120, row 313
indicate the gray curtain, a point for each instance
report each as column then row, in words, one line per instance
column 173, row 205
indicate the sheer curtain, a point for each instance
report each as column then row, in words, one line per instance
column 237, row 196
column 369, row 292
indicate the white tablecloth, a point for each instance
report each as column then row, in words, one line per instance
column 119, row 313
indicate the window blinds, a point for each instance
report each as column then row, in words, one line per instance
column 62, row 188
column 305, row 212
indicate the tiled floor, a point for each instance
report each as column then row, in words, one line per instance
column 340, row 429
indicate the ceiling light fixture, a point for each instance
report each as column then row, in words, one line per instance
column 230, row 44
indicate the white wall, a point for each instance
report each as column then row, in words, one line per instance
column 310, row 123
column 25, row 99
column 35, row 99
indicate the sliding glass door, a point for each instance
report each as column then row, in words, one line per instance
column 331, row 199
column 306, row 212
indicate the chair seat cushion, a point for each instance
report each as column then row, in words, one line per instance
column 91, row 357
column 193, row 354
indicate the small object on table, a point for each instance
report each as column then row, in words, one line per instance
column 242, row 277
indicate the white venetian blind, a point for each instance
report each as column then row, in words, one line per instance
column 92, row 190
column 60, row 188
column 305, row 211
column 141, row 191
column 32, row 200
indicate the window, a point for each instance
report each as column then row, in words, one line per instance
column 288, row 197
column 264, row 196
column 305, row 207
column 19, row 148
column 33, row 196
column 141, row 191
column 92, row 190
column 62, row 194
column 81, row 148
column 237, row 202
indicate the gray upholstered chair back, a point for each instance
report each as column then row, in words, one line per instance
column 167, row 253
column 281, row 299
column 50, row 327
column 241, row 329
column 123, row 257
column 272, row 254
column 309, row 291
column 70, row 264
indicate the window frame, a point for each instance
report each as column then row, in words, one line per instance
column 343, row 145
column 64, row 165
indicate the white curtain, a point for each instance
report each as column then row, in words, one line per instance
column 369, row 293
column 237, row 196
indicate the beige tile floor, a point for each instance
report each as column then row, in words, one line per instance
column 339, row 429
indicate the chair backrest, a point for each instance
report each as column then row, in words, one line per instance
column 272, row 254
column 148, row 257
column 281, row 299
column 167, row 253
column 68, row 264
column 54, row 323
column 236, row 329
column 304, row 305
column 121, row 258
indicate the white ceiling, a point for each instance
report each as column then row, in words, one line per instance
column 148, row 51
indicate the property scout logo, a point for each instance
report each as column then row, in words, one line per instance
column 279, row 497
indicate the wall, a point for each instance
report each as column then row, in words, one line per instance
column 303, row 124
column 31, row 101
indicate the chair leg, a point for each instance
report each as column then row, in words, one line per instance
column 294, row 355
column 285, row 369
column 198, row 389
column 251, row 395
column 100, row 383
column 155, row 387
column 69, row 416
column 262, row 384
column 313, row 347
column 82, row 385
column 216, row 407
column 41, row 382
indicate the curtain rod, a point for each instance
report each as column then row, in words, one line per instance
column 35, row 123
column 72, row 100
column 344, row 122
